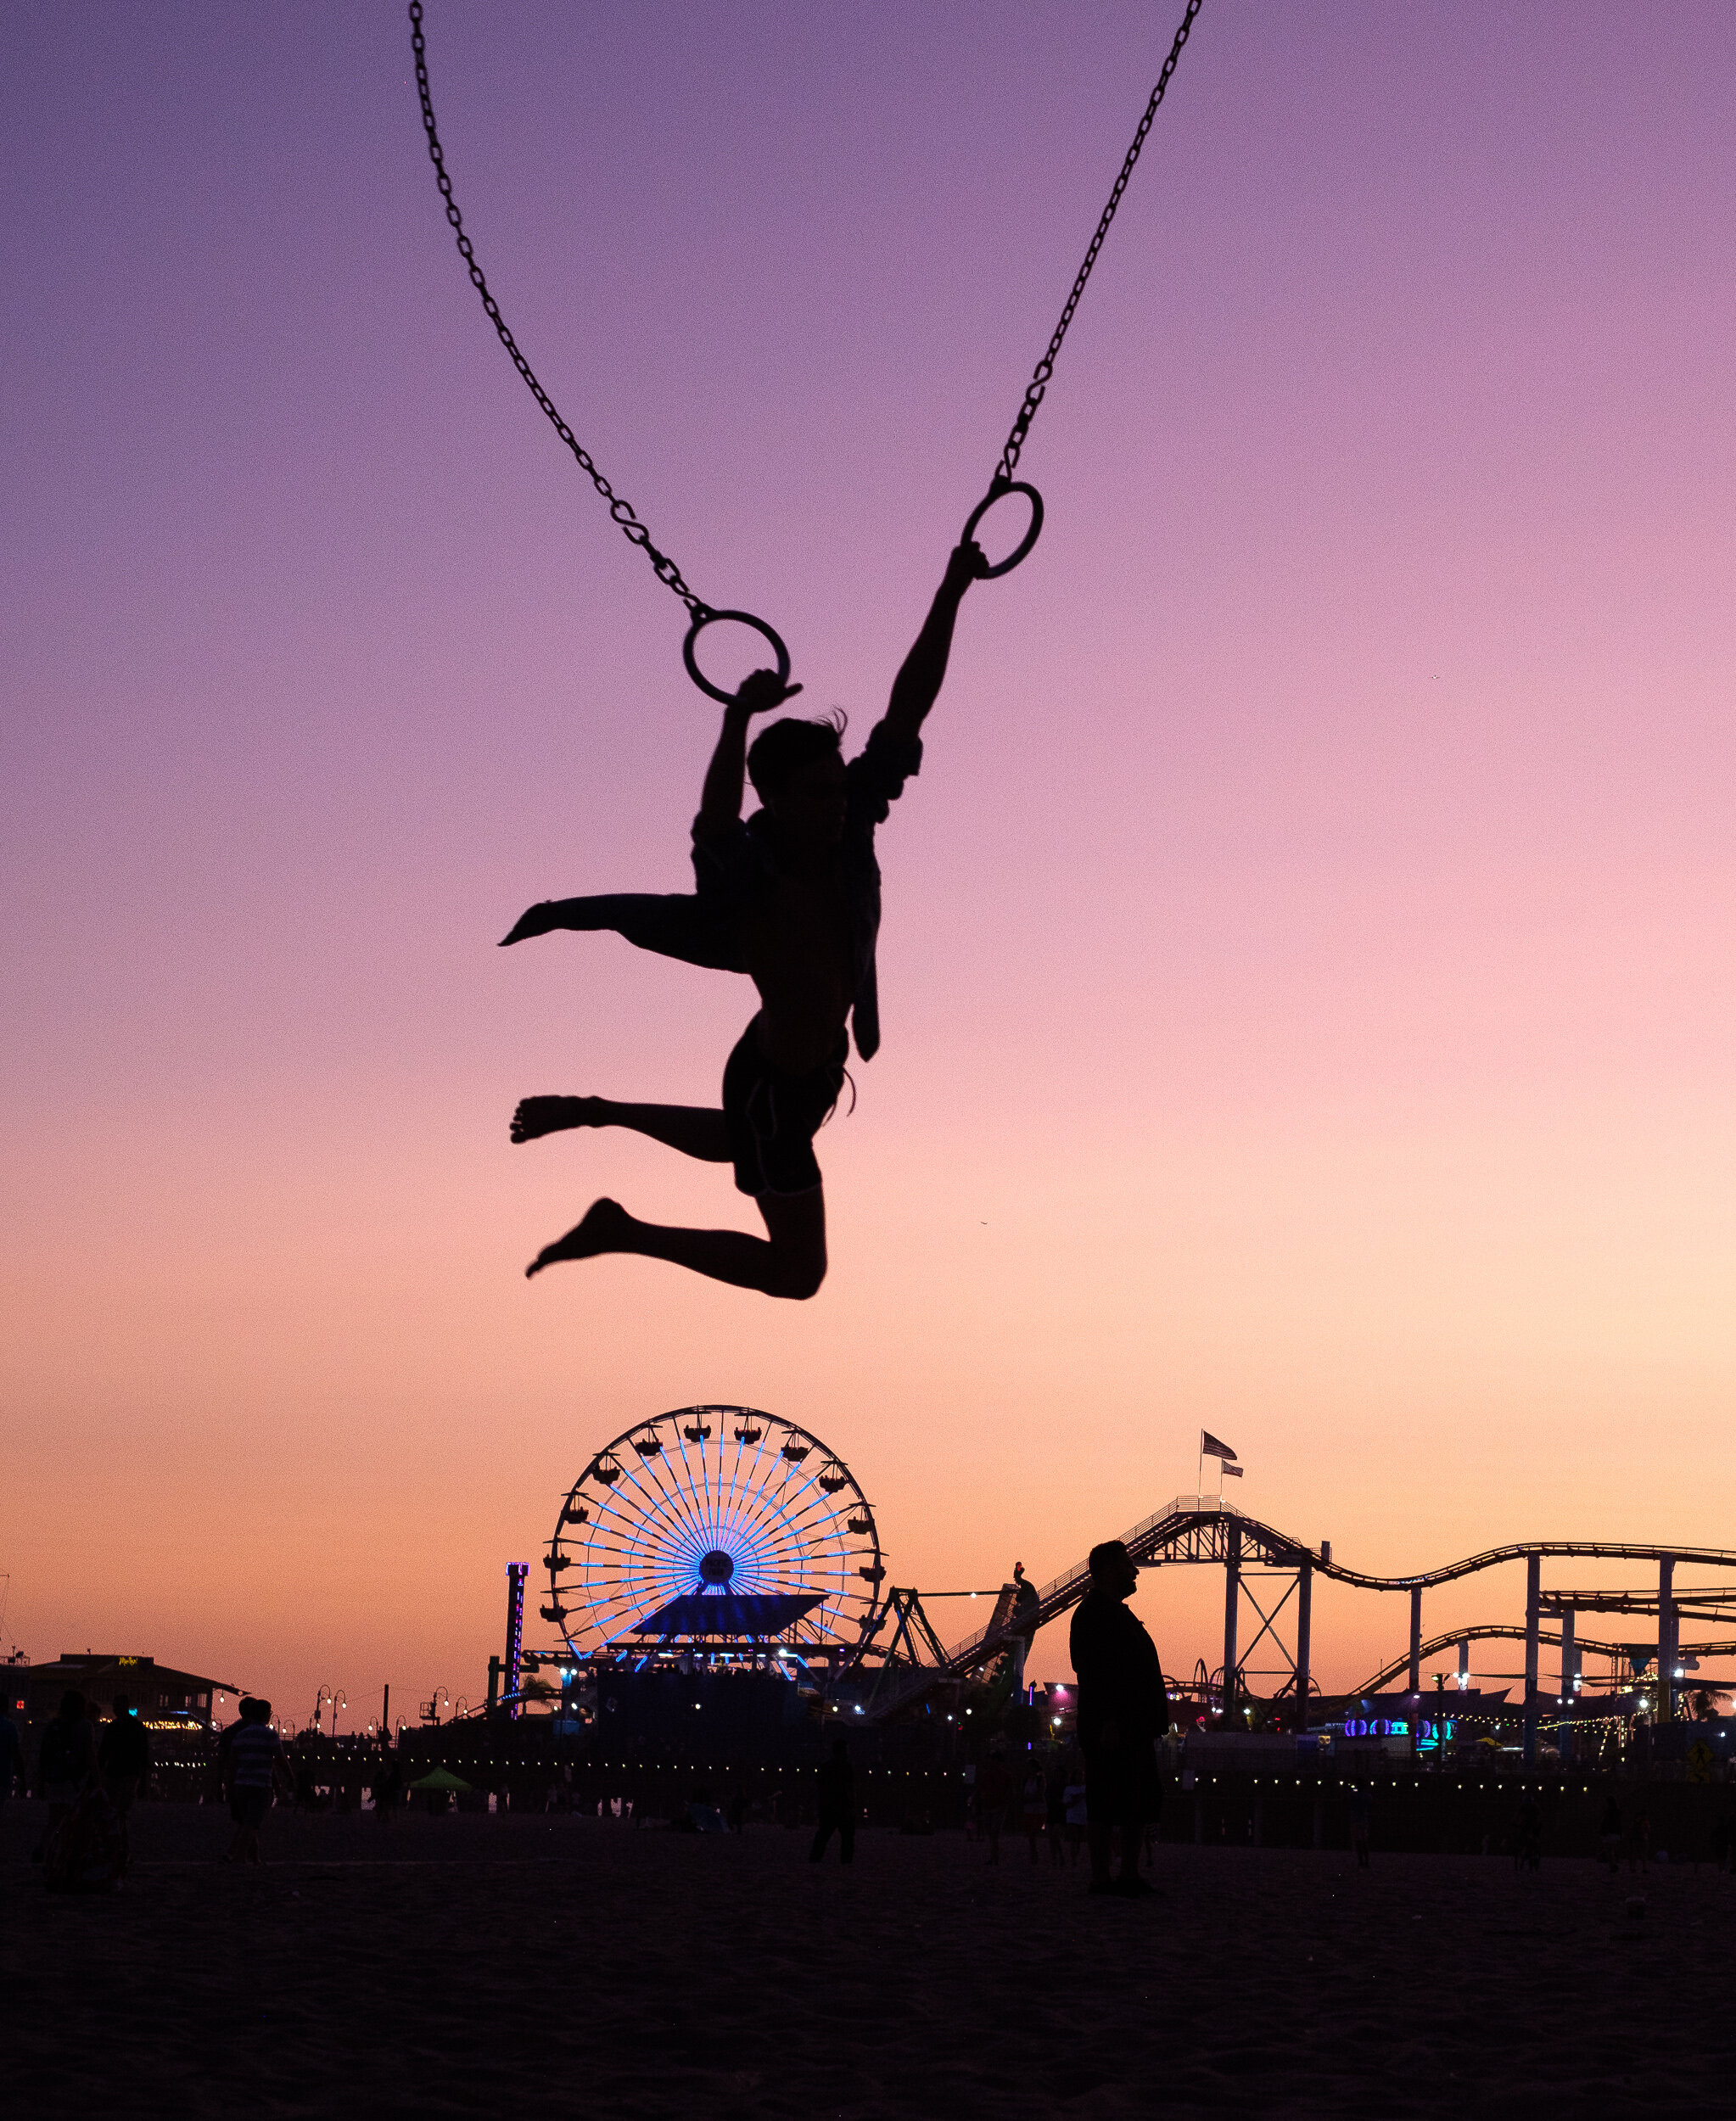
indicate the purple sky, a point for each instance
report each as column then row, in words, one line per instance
column 1306, row 966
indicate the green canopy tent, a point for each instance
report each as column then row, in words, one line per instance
column 441, row 1778
column 441, row 1788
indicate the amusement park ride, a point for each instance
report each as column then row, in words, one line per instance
column 724, row 1537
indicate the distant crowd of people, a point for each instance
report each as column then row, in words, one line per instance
column 89, row 1771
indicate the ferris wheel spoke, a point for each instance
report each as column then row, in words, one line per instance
column 702, row 1502
column 689, row 1506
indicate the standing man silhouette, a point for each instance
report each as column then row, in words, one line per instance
column 837, row 1806
column 1124, row 1711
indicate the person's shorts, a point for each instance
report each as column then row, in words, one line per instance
column 1123, row 1786
column 248, row 1807
column 772, row 1116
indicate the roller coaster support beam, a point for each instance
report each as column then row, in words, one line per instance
column 1416, row 1638
column 1534, row 1603
column 1304, row 1624
column 1569, row 1674
column 1666, row 1640
column 1232, row 1599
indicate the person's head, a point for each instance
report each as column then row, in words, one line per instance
column 122, row 1707
column 840, row 1748
column 253, row 1710
column 72, row 1706
column 798, row 770
column 1113, row 1570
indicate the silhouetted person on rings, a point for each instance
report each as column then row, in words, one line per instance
column 790, row 896
column 1124, row 1711
column 837, row 1806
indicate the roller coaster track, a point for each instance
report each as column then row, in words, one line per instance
column 1202, row 1528
column 1505, row 1632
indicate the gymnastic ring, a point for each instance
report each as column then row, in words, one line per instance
column 999, row 491
column 742, row 618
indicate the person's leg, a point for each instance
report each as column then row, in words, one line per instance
column 847, row 1841
column 695, row 1130
column 1132, row 1834
column 121, row 1790
column 822, row 1834
column 789, row 1262
column 1100, row 1837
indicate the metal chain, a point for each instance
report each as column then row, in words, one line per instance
column 620, row 509
column 1046, row 367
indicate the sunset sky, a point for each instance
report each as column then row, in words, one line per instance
column 1307, row 967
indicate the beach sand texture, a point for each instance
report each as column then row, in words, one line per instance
column 525, row 1966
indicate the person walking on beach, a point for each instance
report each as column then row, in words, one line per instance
column 1610, row 1836
column 251, row 1755
column 1054, row 1811
column 1077, row 1814
column 1033, row 1810
column 1639, row 1842
column 387, row 1784
column 1360, row 1823
column 124, row 1759
column 995, row 1791
column 66, row 1763
column 1528, row 1840
column 1124, row 1711
column 837, row 1806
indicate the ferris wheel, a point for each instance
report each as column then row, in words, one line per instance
column 719, row 1528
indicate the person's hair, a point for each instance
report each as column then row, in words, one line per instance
column 788, row 746
column 72, row 1704
column 255, row 1711
column 1103, row 1552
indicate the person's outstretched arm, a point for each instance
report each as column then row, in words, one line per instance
column 641, row 919
column 720, row 801
column 917, row 685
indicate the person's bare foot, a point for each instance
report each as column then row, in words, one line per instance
column 539, row 1116
column 606, row 1223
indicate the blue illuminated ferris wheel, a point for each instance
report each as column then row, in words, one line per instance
column 718, row 1529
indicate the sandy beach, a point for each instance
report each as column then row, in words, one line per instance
column 484, row 1966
